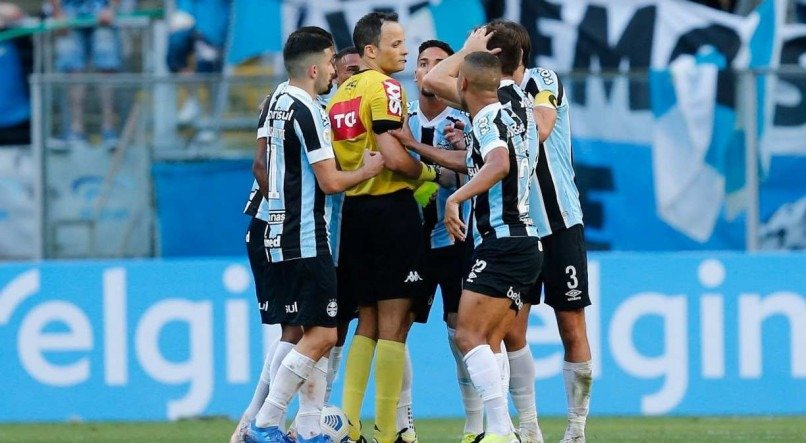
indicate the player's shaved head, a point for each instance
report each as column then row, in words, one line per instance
column 507, row 39
column 482, row 71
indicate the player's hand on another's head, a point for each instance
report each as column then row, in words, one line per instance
column 477, row 41
column 457, row 229
column 373, row 162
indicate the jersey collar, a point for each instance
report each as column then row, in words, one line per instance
column 505, row 83
column 425, row 123
column 299, row 93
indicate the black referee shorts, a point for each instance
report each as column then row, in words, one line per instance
column 381, row 248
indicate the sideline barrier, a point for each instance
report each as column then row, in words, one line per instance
column 680, row 334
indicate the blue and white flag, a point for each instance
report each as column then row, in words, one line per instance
column 698, row 138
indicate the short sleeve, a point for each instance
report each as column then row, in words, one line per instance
column 313, row 130
column 548, row 81
column 387, row 106
column 546, row 99
column 489, row 134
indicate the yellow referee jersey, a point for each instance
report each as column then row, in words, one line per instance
column 369, row 102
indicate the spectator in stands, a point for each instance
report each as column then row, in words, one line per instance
column 198, row 28
column 16, row 62
column 78, row 47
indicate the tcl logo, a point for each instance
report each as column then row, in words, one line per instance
column 345, row 120
column 349, row 119
column 394, row 97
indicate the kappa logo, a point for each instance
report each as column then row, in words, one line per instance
column 573, row 294
column 394, row 97
column 413, row 276
column 332, row 308
column 479, row 266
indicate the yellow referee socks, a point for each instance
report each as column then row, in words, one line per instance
column 356, row 370
column 388, row 380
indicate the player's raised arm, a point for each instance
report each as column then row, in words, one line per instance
column 442, row 79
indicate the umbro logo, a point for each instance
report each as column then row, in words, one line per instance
column 573, row 294
column 413, row 277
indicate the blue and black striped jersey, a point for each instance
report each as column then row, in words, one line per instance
column 502, row 210
column 512, row 96
column 432, row 132
column 256, row 205
column 559, row 207
column 298, row 132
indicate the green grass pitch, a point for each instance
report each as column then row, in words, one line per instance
column 600, row 429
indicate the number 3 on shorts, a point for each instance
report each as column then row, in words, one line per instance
column 573, row 282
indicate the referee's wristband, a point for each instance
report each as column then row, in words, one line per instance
column 429, row 173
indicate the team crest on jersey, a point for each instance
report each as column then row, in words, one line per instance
column 345, row 121
column 394, row 97
column 332, row 308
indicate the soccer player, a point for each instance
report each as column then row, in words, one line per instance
column 301, row 277
column 507, row 248
column 347, row 62
column 498, row 36
column 381, row 229
column 558, row 217
column 257, row 208
column 428, row 121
